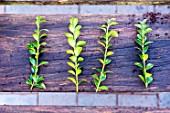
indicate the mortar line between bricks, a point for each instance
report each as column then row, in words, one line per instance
column 117, row 100
column 78, row 9
column 38, row 98
column 76, row 99
column 5, row 9
column 154, row 8
column 158, row 100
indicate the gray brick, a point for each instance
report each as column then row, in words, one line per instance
column 60, row 99
column 163, row 9
column 96, row 100
column 36, row 9
column 18, row 99
column 134, row 9
column 164, row 99
column 137, row 100
column 2, row 9
column 97, row 9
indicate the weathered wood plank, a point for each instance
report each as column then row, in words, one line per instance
column 16, row 32
column 86, row 1
column 56, row 109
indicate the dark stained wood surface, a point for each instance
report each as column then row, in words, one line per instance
column 56, row 109
column 87, row 1
column 16, row 31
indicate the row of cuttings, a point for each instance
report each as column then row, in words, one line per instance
column 100, row 76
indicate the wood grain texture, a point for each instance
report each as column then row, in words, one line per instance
column 87, row 1
column 16, row 31
column 55, row 109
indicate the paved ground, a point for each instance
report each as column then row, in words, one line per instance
column 161, row 99
column 83, row 9
column 87, row 99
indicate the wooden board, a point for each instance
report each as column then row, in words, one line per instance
column 56, row 109
column 86, row 1
column 16, row 31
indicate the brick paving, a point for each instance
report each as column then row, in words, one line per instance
column 85, row 99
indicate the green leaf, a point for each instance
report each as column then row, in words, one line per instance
column 70, row 52
column 138, row 25
column 77, row 50
column 103, row 88
column 139, row 36
column 110, row 53
column 44, row 30
column 72, row 20
column 146, row 49
column 138, row 41
column 104, row 29
column 71, row 42
column 32, row 51
column 43, row 35
column 138, row 48
column 82, row 80
column 148, row 75
column 44, row 50
column 113, row 34
column 102, row 77
column 32, row 60
column 149, row 66
column 75, row 21
column 35, row 78
column 76, row 34
column 140, row 32
column 113, row 23
column 71, row 65
column 73, row 58
column 142, row 78
column 28, row 81
column 101, row 61
column 80, row 59
column 109, row 45
column 72, row 72
column 149, row 42
column 31, row 77
column 113, row 19
column 104, row 36
column 36, row 37
column 96, row 83
column 43, row 43
column 78, row 27
column 140, row 55
column 43, row 63
column 72, row 79
column 108, row 61
column 149, row 80
column 71, row 28
column 95, row 76
column 40, row 79
column 78, row 71
column 148, row 30
column 145, row 57
column 108, row 71
column 101, row 43
column 100, row 50
column 139, row 64
column 97, row 69
column 69, row 35
column 81, row 43
column 41, row 85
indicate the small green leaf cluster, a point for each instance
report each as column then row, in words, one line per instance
column 35, row 50
column 143, row 48
column 77, row 47
column 105, row 43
